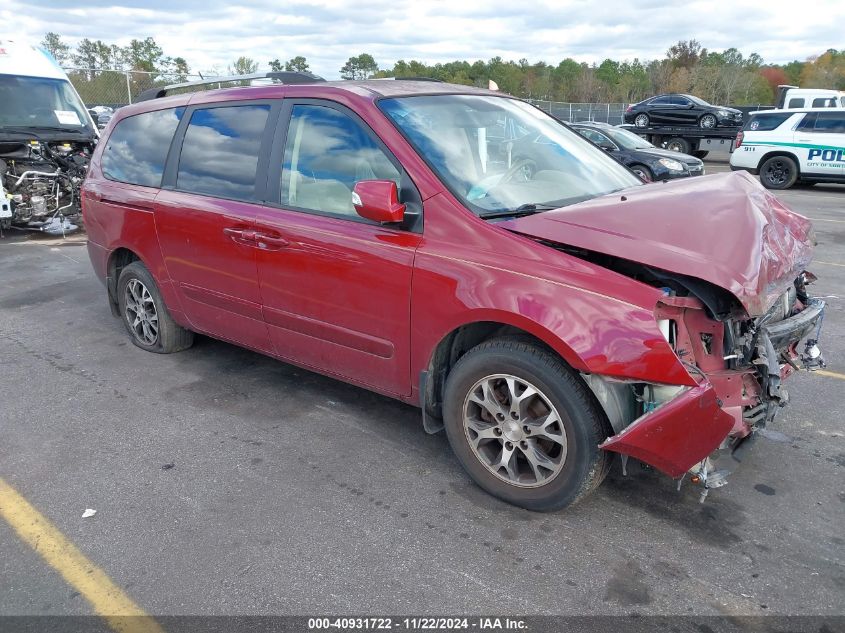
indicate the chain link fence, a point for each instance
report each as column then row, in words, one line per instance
column 573, row 112
column 116, row 88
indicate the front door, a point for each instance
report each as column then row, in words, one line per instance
column 205, row 220
column 335, row 287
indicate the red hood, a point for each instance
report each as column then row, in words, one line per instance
column 724, row 228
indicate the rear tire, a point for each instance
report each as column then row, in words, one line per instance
column 678, row 144
column 145, row 315
column 700, row 153
column 535, row 449
column 778, row 172
column 641, row 120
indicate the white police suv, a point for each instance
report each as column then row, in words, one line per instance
column 789, row 146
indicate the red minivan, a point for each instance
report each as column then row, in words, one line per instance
column 460, row 250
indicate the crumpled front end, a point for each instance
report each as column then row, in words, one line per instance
column 739, row 363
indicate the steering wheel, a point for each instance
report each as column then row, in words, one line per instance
column 523, row 167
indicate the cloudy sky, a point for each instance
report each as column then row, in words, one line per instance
column 212, row 33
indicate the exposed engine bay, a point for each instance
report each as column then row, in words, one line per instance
column 39, row 184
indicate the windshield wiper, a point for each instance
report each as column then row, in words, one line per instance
column 523, row 209
column 29, row 129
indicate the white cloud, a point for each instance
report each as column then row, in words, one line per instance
column 212, row 33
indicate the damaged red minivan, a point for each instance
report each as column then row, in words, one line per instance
column 460, row 250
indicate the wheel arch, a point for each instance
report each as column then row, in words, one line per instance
column 119, row 259
column 459, row 340
column 774, row 153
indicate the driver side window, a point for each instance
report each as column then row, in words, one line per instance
column 326, row 153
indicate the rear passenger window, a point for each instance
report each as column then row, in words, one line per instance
column 326, row 153
column 830, row 123
column 824, row 102
column 220, row 152
column 137, row 149
column 796, row 103
column 766, row 122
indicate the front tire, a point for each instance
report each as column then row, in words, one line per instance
column 524, row 426
column 144, row 314
column 643, row 172
column 708, row 121
column 779, row 172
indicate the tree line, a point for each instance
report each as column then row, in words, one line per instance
column 725, row 77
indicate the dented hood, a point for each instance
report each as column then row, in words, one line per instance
column 725, row 229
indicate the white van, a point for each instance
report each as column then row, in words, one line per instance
column 789, row 146
column 793, row 97
column 46, row 139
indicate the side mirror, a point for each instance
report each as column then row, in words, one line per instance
column 378, row 200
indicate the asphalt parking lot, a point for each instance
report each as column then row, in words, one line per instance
column 228, row 483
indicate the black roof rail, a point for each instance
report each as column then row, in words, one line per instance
column 284, row 77
column 440, row 81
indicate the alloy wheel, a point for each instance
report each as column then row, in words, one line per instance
column 641, row 120
column 708, row 121
column 140, row 312
column 514, row 430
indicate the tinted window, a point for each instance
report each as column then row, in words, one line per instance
column 824, row 102
column 679, row 101
column 765, row 122
column 137, row 148
column 660, row 101
column 220, row 151
column 326, row 153
column 796, row 103
column 830, row 123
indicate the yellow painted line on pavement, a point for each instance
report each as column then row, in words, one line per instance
column 830, row 374
column 106, row 598
column 828, row 263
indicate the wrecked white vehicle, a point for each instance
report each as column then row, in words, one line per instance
column 46, row 140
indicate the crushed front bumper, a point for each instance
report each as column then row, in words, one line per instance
column 727, row 404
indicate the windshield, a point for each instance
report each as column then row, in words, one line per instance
column 499, row 154
column 626, row 139
column 695, row 99
column 33, row 102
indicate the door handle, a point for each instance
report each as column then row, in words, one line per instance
column 276, row 241
column 239, row 235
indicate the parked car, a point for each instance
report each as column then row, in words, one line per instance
column 103, row 119
column 637, row 154
column 786, row 147
column 680, row 109
column 371, row 231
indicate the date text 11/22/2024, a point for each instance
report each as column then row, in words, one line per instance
column 416, row 624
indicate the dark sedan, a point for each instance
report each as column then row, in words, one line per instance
column 637, row 154
column 678, row 109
